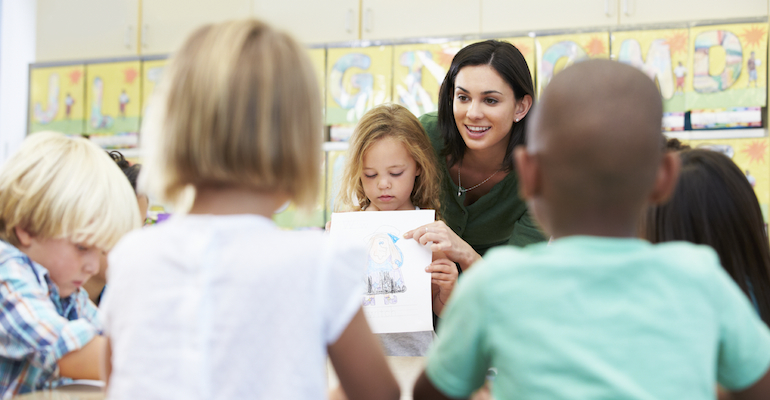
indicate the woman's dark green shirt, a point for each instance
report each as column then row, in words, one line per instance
column 499, row 217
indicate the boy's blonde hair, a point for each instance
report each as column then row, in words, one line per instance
column 397, row 122
column 239, row 106
column 62, row 187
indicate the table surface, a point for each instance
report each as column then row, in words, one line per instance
column 405, row 369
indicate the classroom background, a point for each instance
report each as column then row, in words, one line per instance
column 91, row 66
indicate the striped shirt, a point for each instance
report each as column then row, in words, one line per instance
column 37, row 327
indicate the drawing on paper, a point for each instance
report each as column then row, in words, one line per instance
column 383, row 267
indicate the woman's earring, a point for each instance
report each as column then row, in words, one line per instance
column 515, row 120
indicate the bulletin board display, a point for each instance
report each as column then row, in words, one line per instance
column 752, row 155
column 554, row 53
column 357, row 80
column 113, row 96
column 57, row 99
column 418, row 71
column 728, row 66
column 662, row 55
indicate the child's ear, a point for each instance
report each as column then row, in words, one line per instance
column 528, row 172
column 418, row 171
column 668, row 176
column 25, row 238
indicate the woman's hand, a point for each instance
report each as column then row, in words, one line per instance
column 445, row 240
column 443, row 276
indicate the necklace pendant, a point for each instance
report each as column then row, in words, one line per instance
column 459, row 191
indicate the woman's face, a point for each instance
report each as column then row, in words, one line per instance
column 484, row 107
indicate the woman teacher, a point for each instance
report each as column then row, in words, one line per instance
column 482, row 115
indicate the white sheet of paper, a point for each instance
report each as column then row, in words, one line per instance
column 397, row 294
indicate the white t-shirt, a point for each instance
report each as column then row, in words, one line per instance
column 227, row 307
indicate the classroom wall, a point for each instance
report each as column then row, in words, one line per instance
column 17, row 51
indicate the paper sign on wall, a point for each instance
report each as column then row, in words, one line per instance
column 554, row 53
column 728, row 66
column 56, row 99
column 418, row 71
column 114, row 103
column 662, row 55
column 357, row 80
column 396, row 296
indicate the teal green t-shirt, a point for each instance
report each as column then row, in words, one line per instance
column 599, row 318
column 499, row 217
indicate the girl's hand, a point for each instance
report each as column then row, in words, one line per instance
column 445, row 240
column 443, row 274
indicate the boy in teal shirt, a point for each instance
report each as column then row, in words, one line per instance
column 598, row 313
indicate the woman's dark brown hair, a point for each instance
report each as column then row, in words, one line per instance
column 508, row 61
column 714, row 204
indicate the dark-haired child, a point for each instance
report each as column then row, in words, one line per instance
column 95, row 285
column 599, row 313
column 714, row 204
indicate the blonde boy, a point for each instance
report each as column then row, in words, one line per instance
column 63, row 202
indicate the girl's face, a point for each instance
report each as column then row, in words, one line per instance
column 388, row 176
column 484, row 107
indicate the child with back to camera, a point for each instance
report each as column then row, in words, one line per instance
column 221, row 304
column 63, row 203
column 728, row 219
column 96, row 284
column 598, row 313
column 391, row 166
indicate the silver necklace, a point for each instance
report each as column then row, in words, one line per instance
column 461, row 190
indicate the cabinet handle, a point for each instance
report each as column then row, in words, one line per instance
column 349, row 21
column 145, row 28
column 127, row 41
column 368, row 20
column 607, row 7
column 625, row 8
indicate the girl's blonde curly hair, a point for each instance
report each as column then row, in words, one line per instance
column 397, row 122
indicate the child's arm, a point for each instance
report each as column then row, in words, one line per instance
column 360, row 364
column 760, row 390
column 83, row 363
column 107, row 363
column 40, row 335
column 424, row 390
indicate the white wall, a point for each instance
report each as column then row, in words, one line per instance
column 17, row 51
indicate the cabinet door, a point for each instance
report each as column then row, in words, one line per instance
column 654, row 11
column 499, row 16
column 166, row 23
column 85, row 29
column 398, row 19
column 312, row 21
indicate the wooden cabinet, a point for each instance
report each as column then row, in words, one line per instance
column 166, row 23
column 401, row 19
column 312, row 22
column 661, row 11
column 500, row 16
column 86, row 29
